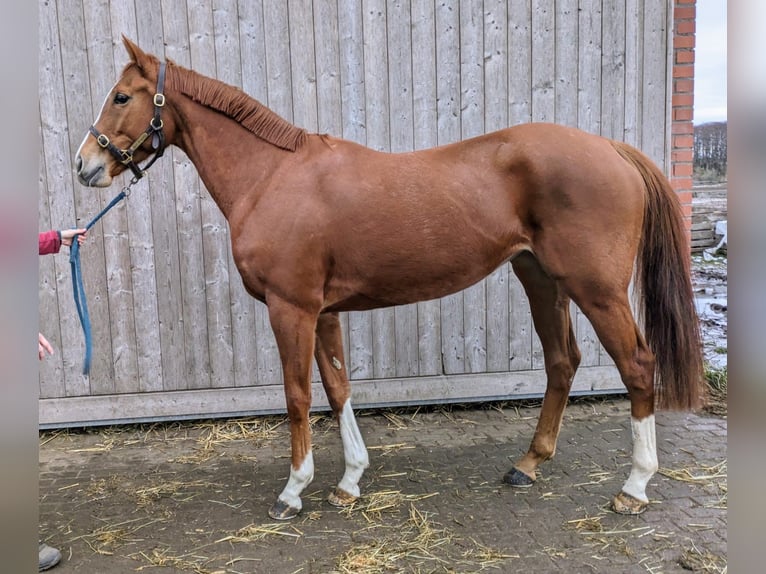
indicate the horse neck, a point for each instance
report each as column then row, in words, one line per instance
column 230, row 160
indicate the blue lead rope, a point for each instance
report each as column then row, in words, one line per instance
column 77, row 286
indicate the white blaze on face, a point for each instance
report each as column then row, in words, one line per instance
column 299, row 479
column 91, row 168
column 88, row 134
column 644, row 457
column 354, row 451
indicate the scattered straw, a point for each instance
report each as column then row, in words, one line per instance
column 175, row 489
column 373, row 506
column 256, row 532
column 184, row 562
column 695, row 560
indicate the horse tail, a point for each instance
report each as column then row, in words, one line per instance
column 666, row 298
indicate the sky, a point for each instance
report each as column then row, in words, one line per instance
column 710, row 62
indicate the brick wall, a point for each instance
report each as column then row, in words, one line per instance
column 682, row 144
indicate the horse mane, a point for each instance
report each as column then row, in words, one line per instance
column 236, row 104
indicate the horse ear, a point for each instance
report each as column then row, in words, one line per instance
column 137, row 55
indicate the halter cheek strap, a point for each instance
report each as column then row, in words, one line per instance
column 125, row 156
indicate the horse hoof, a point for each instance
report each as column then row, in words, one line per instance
column 340, row 498
column 283, row 511
column 624, row 503
column 518, row 479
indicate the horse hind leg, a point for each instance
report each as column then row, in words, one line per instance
column 613, row 322
column 550, row 314
column 329, row 356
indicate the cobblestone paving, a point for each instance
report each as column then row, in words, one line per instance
column 193, row 497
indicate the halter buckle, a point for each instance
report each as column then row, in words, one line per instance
column 103, row 141
column 159, row 100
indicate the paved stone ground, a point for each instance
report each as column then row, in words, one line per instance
column 193, row 497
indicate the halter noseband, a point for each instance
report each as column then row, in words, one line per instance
column 125, row 156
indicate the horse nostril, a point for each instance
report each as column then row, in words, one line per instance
column 78, row 164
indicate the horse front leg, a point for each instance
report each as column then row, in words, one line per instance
column 294, row 332
column 332, row 368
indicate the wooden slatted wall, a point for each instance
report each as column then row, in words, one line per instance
column 175, row 333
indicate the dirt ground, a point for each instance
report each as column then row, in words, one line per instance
column 193, row 496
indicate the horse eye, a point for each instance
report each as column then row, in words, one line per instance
column 120, row 98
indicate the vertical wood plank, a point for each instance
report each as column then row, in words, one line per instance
column 114, row 227
column 633, row 71
column 51, row 376
column 589, row 119
column 354, row 121
column 400, row 70
column 140, row 242
column 254, row 320
column 87, row 202
column 425, row 136
column 303, row 64
column 613, row 70
column 519, row 61
column 279, row 84
column 543, row 61
column 149, row 20
column 495, row 118
column 448, row 103
column 186, row 201
column 655, row 80
column 566, row 16
column 231, row 336
column 472, row 124
column 54, row 319
column 328, row 93
column 378, row 137
column 279, row 99
column 519, row 111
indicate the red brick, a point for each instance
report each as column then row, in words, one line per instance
column 686, row 27
column 685, row 197
column 684, row 56
column 683, row 41
column 683, row 86
column 680, row 100
column 682, row 184
column 682, row 155
column 684, row 13
column 680, row 2
column 683, row 71
column 683, row 141
column 682, row 128
column 683, row 114
column 682, row 170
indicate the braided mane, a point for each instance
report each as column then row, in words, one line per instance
column 237, row 105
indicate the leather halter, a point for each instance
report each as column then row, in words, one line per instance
column 125, row 156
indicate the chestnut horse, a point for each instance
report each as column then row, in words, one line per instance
column 321, row 225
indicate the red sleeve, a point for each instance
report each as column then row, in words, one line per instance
column 49, row 242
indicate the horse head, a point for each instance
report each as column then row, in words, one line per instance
column 132, row 125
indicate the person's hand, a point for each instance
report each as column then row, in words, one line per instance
column 42, row 346
column 68, row 234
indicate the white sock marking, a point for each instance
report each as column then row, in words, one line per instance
column 354, row 451
column 299, row 479
column 644, row 457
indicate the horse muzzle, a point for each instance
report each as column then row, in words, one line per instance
column 92, row 173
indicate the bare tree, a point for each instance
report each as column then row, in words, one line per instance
column 710, row 149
